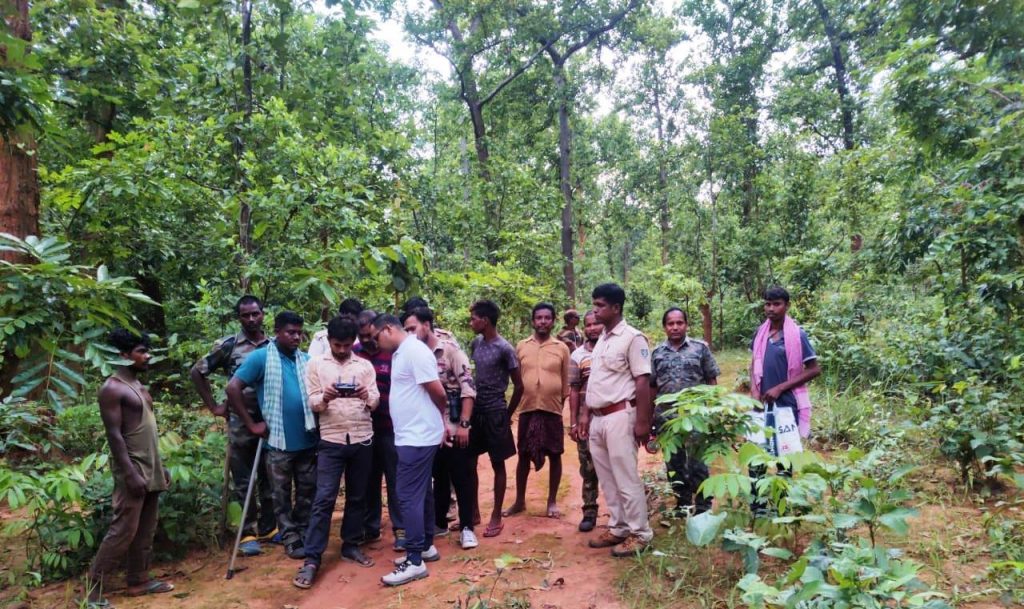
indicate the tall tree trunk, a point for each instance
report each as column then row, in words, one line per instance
column 244, row 210
column 19, row 183
column 564, row 167
column 839, row 65
column 483, row 156
column 705, row 318
column 663, row 212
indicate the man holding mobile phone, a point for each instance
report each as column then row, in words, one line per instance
column 342, row 391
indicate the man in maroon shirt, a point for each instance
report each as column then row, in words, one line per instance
column 385, row 458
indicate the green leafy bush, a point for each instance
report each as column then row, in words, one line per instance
column 81, row 430
column 67, row 509
column 25, row 429
column 978, row 427
column 845, row 575
column 1006, row 543
column 57, row 528
column 190, row 509
column 707, row 419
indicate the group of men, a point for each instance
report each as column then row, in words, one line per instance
column 394, row 399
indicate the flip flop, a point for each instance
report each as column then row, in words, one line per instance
column 493, row 531
column 304, row 578
column 554, row 512
column 153, row 586
column 357, row 557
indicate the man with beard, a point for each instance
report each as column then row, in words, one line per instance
column 227, row 355
column 579, row 373
column 342, row 390
column 544, row 367
column 139, row 475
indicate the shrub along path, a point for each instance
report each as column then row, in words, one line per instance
column 546, row 560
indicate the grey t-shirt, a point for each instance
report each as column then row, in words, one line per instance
column 775, row 366
column 493, row 362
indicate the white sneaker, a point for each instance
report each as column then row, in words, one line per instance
column 405, row 573
column 431, row 555
column 469, row 540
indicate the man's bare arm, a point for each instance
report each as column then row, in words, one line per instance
column 517, row 389
column 237, row 404
column 810, row 372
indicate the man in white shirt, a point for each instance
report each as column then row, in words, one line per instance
column 417, row 401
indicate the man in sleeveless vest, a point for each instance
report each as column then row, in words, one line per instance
column 139, row 475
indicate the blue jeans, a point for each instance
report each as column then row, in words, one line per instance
column 333, row 461
column 416, row 498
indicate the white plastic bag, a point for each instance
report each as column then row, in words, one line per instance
column 785, row 440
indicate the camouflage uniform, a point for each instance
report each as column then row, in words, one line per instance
column 579, row 360
column 284, row 467
column 672, row 371
column 227, row 355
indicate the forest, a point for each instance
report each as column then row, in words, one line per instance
column 161, row 158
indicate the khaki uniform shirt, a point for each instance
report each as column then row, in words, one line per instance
column 545, row 370
column 620, row 355
column 453, row 369
column 346, row 420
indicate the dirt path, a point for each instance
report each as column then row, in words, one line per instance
column 550, row 565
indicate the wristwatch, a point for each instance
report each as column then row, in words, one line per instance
column 464, row 424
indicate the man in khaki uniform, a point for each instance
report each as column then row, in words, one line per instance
column 617, row 420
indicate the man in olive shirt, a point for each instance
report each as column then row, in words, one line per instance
column 227, row 355
column 617, row 421
column 679, row 363
column 544, row 367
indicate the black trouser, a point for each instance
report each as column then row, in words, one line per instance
column 685, row 474
column 454, row 466
column 260, row 520
column 334, row 461
column 385, row 464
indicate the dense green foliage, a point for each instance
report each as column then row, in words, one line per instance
column 867, row 155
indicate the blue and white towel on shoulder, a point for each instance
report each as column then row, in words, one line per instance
column 273, row 390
